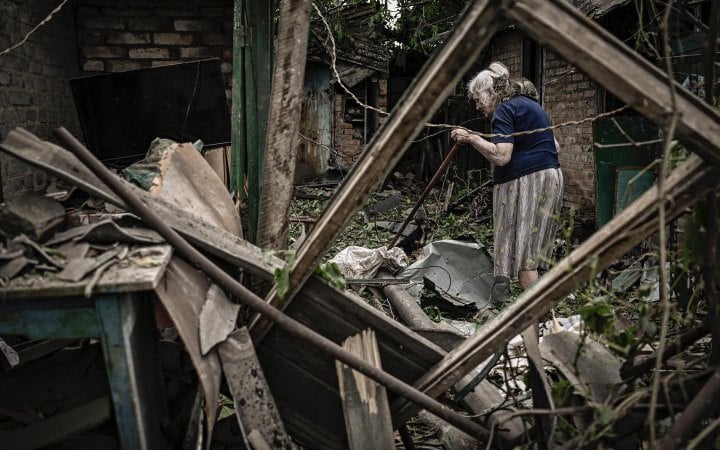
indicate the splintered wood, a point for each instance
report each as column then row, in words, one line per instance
column 365, row 403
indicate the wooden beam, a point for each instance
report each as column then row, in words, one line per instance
column 365, row 403
column 421, row 100
column 284, row 125
column 254, row 404
column 684, row 186
column 622, row 71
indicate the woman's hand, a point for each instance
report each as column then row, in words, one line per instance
column 460, row 135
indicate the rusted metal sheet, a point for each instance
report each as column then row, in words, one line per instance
column 182, row 293
column 188, row 182
column 587, row 364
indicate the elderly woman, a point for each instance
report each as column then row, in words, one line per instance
column 527, row 180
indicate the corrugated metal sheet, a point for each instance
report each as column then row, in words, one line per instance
column 597, row 8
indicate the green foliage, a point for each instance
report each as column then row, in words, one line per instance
column 598, row 316
column 282, row 274
column 562, row 393
column 433, row 313
column 330, row 272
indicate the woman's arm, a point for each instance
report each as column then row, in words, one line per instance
column 498, row 154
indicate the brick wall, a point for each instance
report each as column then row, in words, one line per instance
column 34, row 88
column 116, row 36
column 507, row 49
column 348, row 135
column 572, row 97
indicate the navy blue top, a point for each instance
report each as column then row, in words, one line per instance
column 531, row 152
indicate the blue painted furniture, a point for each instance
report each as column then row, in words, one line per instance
column 119, row 313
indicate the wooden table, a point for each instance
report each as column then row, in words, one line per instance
column 119, row 313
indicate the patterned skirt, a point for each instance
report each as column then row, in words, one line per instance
column 525, row 218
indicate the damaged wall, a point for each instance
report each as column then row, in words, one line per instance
column 116, row 36
column 34, row 88
column 350, row 122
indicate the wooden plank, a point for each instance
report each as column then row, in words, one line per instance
column 254, row 404
column 365, row 403
column 316, row 420
column 684, row 186
column 421, row 100
column 117, row 278
column 622, row 71
column 43, row 320
column 284, row 123
column 128, row 341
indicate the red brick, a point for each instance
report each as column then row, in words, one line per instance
column 172, row 38
column 128, row 38
column 103, row 52
column 149, row 53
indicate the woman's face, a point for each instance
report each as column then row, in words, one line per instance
column 486, row 109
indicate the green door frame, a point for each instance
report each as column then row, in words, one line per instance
column 251, row 81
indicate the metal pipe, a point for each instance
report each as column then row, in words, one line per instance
column 441, row 170
column 249, row 298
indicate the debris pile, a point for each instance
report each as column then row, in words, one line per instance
column 77, row 266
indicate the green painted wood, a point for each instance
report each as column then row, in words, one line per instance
column 252, row 69
column 126, row 334
column 50, row 323
column 239, row 163
column 259, row 81
column 614, row 165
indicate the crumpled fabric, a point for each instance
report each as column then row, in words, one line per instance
column 357, row 262
column 143, row 173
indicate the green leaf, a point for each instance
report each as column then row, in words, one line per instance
column 331, row 273
column 433, row 313
column 597, row 315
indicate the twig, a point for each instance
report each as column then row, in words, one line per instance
column 711, row 234
column 675, row 347
column 664, row 294
column 34, row 29
column 699, row 407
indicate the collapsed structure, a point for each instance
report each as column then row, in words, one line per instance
column 289, row 351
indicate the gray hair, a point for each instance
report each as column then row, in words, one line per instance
column 494, row 85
